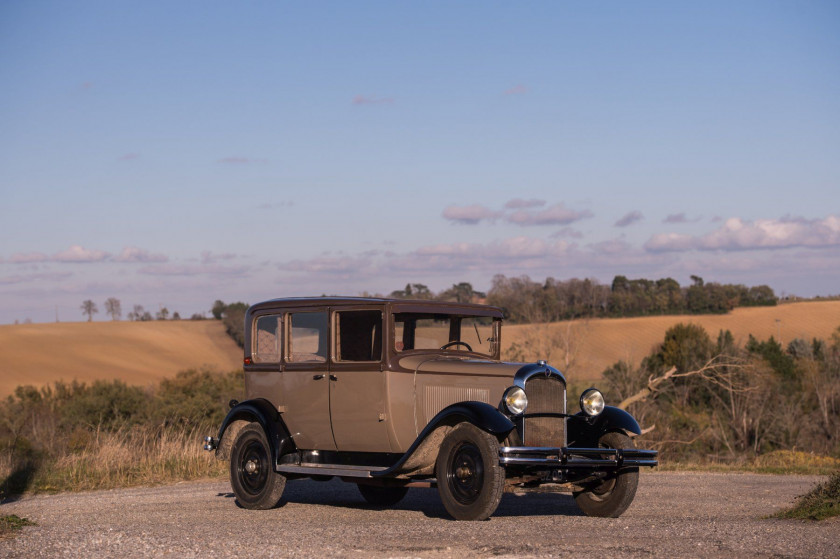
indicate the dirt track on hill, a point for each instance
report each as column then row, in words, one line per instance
column 674, row 515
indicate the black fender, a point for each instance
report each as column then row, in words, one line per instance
column 263, row 412
column 584, row 431
column 482, row 415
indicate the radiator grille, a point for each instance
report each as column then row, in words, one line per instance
column 546, row 395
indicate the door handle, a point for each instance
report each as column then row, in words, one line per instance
column 317, row 377
column 333, row 377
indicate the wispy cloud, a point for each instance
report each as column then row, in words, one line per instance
column 276, row 205
column 30, row 278
column 470, row 215
column 239, row 160
column 135, row 254
column 558, row 214
column 629, row 219
column 676, row 218
column 208, row 257
column 195, row 270
column 761, row 234
column 372, row 100
column 567, row 232
column 523, row 214
column 79, row 254
column 28, row 258
column 517, row 90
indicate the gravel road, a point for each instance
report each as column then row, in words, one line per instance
column 674, row 515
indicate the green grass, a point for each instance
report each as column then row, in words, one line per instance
column 823, row 501
column 12, row 523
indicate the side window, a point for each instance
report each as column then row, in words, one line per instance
column 307, row 338
column 266, row 339
column 358, row 336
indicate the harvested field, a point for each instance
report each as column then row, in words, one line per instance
column 142, row 353
column 598, row 343
column 138, row 353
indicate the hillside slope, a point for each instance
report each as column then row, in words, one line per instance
column 601, row 342
column 138, row 353
column 142, row 353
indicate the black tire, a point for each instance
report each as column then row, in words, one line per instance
column 382, row 496
column 252, row 476
column 470, row 479
column 613, row 495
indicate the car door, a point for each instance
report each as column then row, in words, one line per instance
column 357, row 385
column 306, row 383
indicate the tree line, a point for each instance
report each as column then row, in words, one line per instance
column 113, row 308
column 525, row 300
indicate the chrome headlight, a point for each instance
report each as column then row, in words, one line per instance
column 592, row 401
column 515, row 400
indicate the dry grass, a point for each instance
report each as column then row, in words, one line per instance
column 776, row 462
column 601, row 342
column 138, row 353
column 128, row 457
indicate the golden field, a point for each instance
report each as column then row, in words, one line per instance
column 142, row 353
column 598, row 343
column 138, row 353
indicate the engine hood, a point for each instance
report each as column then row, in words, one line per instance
column 437, row 364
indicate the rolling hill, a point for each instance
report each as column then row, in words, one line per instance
column 138, row 353
column 142, row 353
column 601, row 342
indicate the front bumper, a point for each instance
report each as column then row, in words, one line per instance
column 570, row 457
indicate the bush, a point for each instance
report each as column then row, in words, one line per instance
column 823, row 501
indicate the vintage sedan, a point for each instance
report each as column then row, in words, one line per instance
column 392, row 394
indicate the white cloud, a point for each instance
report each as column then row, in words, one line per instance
column 78, row 253
column 761, row 234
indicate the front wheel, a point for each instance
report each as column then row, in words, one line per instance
column 611, row 496
column 470, row 479
column 252, row 476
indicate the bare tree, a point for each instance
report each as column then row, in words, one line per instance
column 137, row 313
column 88, row 309
column 162, row 314
column 113, row 308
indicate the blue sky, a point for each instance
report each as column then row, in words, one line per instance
column 175, row 153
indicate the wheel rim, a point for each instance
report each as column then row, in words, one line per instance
column 465, row 475
column 252, row 469
column 603, row 490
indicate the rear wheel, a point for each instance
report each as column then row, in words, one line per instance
column 252, row 476
column 611, row 496
column 470, row 479
column 382, row 496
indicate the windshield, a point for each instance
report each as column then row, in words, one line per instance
column 453, row 333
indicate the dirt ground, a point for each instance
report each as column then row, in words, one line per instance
column 674, row 515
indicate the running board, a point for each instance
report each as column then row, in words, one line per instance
column 329, row 470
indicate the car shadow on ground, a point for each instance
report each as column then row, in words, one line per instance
column 337, row 493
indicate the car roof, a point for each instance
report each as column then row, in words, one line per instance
column 403, row 305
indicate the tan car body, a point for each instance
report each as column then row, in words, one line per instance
column 392, row 394
column 378, row 406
